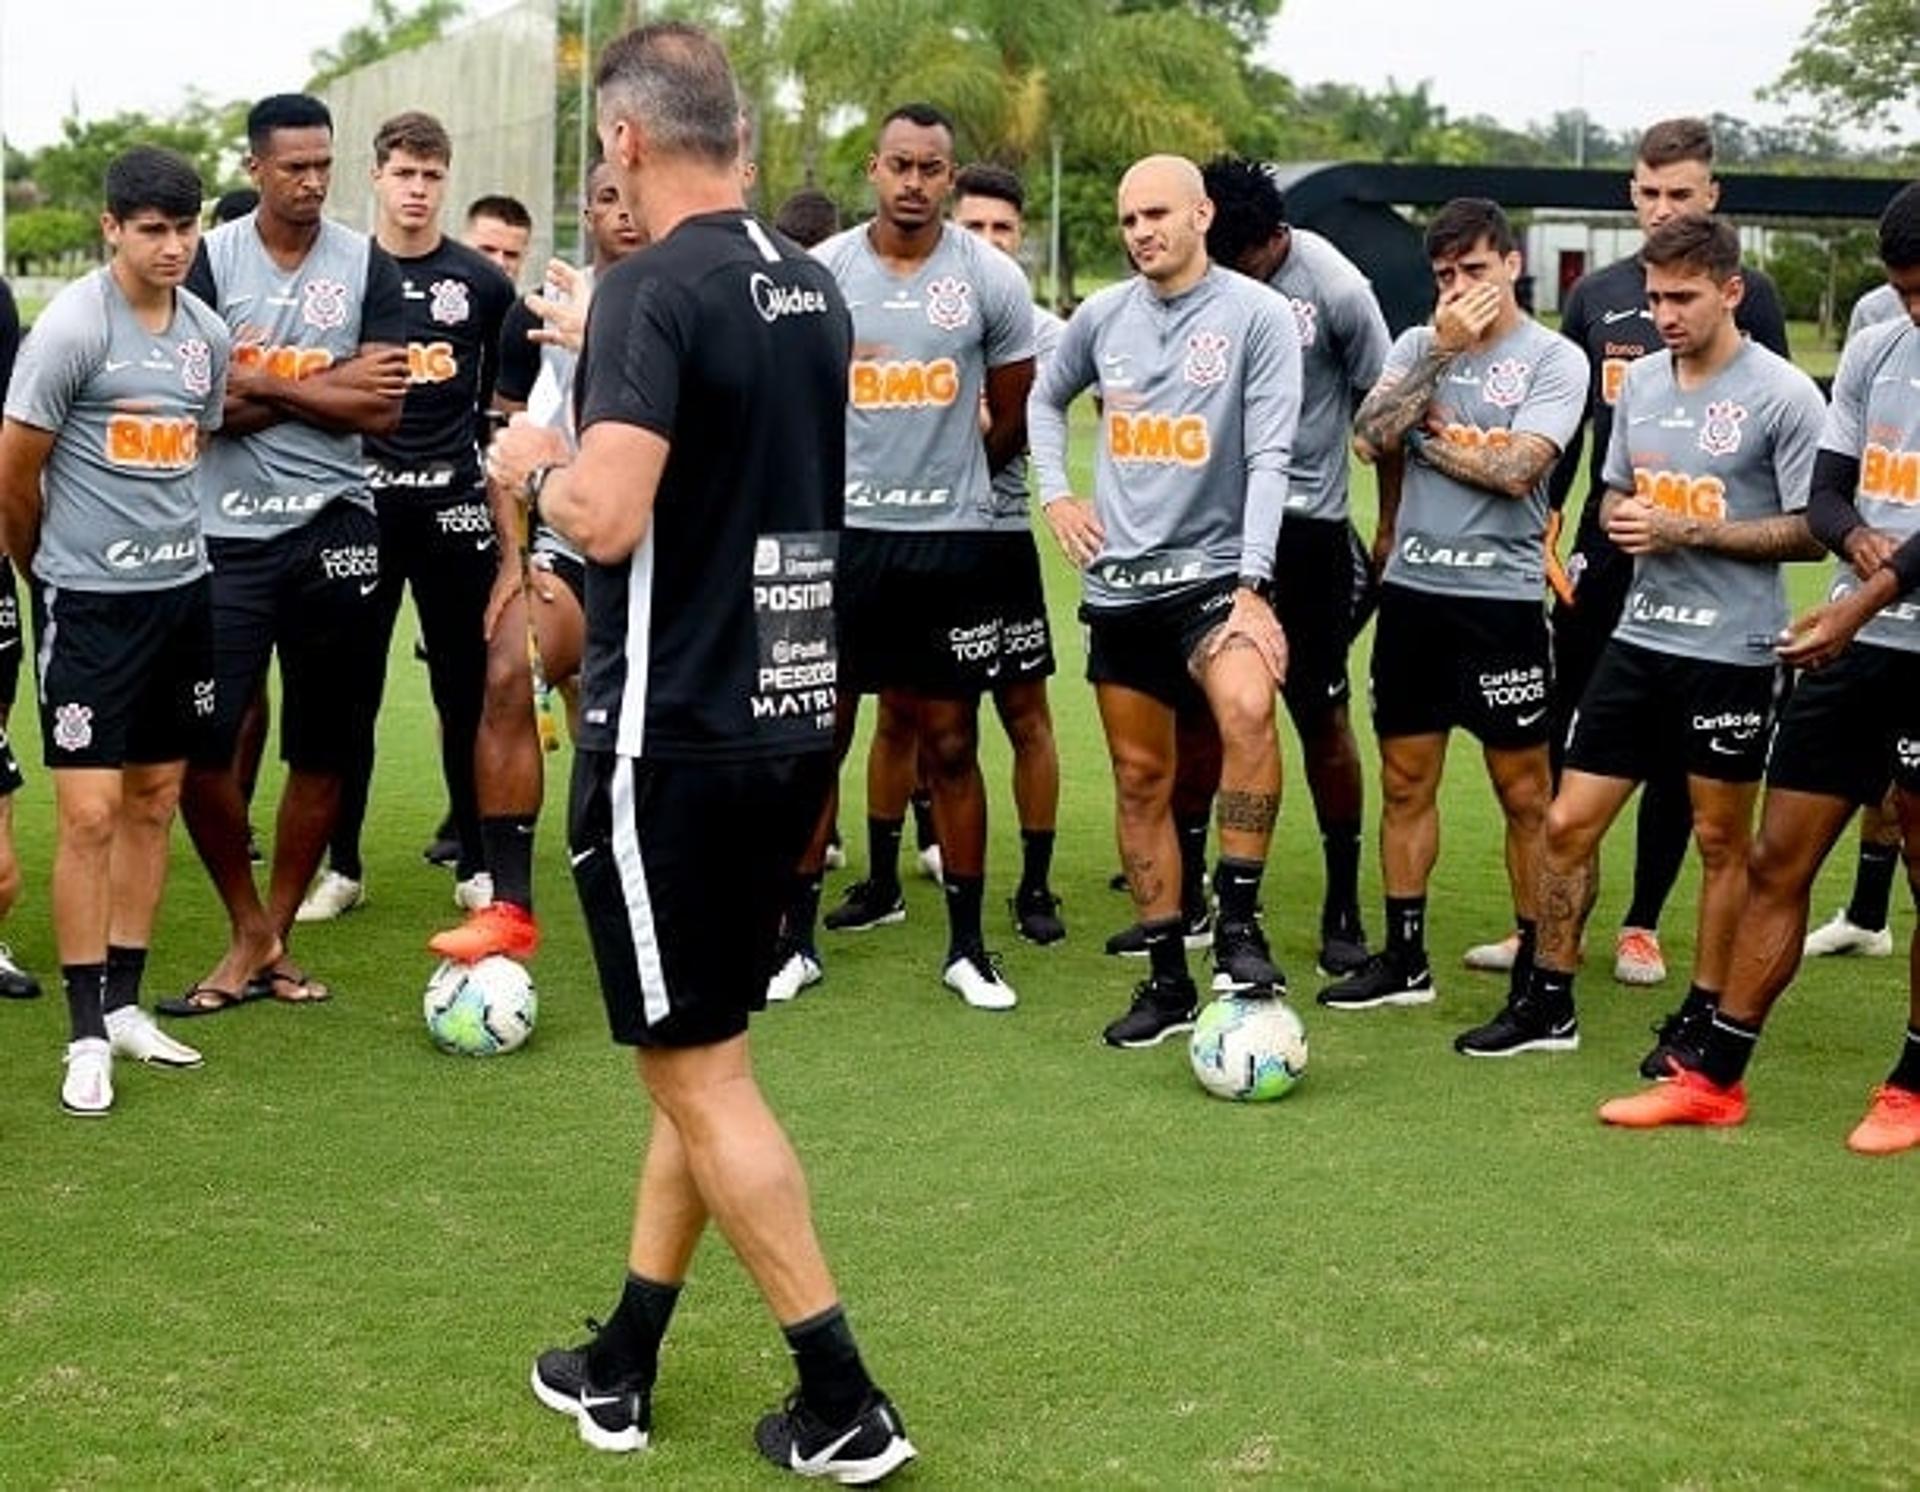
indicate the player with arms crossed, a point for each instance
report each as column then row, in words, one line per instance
column 122, row 375
column 1198, row 374
column 706, row 496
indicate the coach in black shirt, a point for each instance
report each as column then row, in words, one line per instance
column 706, row 496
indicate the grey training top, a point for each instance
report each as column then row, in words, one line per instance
column 922, row 345
column 1882, row 303
column 1875, row 419
column 127, row 408
column 1738, row 447
column 1200, row 397
column 1343, row 346
column 1010, row 482
column 550, row 403
column 1453, row 539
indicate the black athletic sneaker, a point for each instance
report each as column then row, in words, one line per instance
column 1380, row 981
column 1682, row 1038
column 610, row 1419
column 1343, row 948
column 1524, row 1024
column 1036, row 915
column 1131, row 942
column 442, row 850
column 865, row 905
column 1117, row 881
column 870, row 1446
column 15, row 982
column 1241, row 962
column 1161, row 1008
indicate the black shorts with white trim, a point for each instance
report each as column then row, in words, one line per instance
column 1469, row 661
column 1644, row 711
column 1852, row 727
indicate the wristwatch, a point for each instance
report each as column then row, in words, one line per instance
column 536, row 483
column 1261, row 588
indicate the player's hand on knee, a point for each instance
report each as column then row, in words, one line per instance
column 1076, row 528
column 1252, row 623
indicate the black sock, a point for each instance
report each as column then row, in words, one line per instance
column 1730, row 1044
column 1340, row 848
column 833, row 1381
column 1237, row 883
column 1906, row 1072
column 345, row 862
column 125, row 966
column 1873, row 886
column 1662, row 834
column 1700, row 1001
column 628, row 1346
column 883, row 852
column 1193, row 861
column 924, row 833
column 1166, row 951
column 1528, row 932
column 86, row 986
column 1550, row 985
column 1036, row 862
column 507, row 843
column 964, row 894
column 803, row 909
column 1407, row 931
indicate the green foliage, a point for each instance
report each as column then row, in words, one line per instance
column 45, row 236
column 389, row 29
column 69, row 172
column 1820, row 274
column 1858, row 62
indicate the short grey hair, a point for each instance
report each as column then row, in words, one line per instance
column 674, row 81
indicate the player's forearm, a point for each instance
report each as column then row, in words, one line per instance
column 1510, row 470
column 1759, row 540
column 1831, row 515
column 1260, row 524
column 1392, row 409
column 19, row 524
column 339, row 406
column 1905, row 564
column 511, row 524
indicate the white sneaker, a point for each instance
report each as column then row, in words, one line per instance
column 333, row 895
column 475, row 892
column 1493, row 958
column 836, row 856
column 800, row 971
column 1842, row 936
column 977, row 981
column 131, row 1032
column 87, row 1090
column 930, row 864
column 1637, row 958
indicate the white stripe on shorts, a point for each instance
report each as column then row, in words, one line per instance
column 633, row 888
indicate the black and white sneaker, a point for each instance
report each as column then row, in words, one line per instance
column 1343, row 949
column 867, row 904
column 610, row 1419
column 1681, row 1038
column 1241, row 962
column 873, row 1445
column 1161, row 1008
column 1524, row 1024
column 1196, row 932
column 15, row 982
column 1036, row 915
column 1380, row 981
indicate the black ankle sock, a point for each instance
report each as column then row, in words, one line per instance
column 1729, row 1048
column 803, row 908
column 125, row 967
column 1340, row 848
column 1700, row 1001
column 1193, row 861
column 924, row 833
column 883, row 851
column 628, row 1346
column 86, row 986
column 1552, row 985
column 1906, row 1072
column 1036, row 858
column 1166, row 952
column 347, row 863
column 1873, row 886
column 1407, row 931
column 1237, row 883
column 833, row 1381
column 507, row 843
column 964, row 894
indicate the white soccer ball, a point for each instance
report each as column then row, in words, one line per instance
column 1248, row 1048
column 480, row 1010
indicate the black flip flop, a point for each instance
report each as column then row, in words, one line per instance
column 193, row 1003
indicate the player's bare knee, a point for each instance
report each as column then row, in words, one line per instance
column 87, row 819
column 1722, row 842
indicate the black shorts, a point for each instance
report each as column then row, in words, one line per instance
column 311, row 595
column 684, row 870
column 1467, row 661
column 928, row 613
column 11, row 645
column 1852, row 727
column 126, row 677
column 572, row 573
column 1150, row 647
column 1646, row 710
column 1317, row 594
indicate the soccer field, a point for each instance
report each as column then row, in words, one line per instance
column 327, row 1258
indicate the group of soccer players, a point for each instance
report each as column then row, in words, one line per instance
column 749, row 483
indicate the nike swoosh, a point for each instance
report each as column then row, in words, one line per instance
column 1610, row 317
column 486, row 543
column 582, row 856
column 370, row 587
column 8, row 642
column 815, row 1464
column 597, row 1401
column 114, row 365
column 1528, row 719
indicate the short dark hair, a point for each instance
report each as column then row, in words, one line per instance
column 808, row 217
column 284, row 111
column 1247, row 207
column 509, row 210
column 1673, row 140
column 1900, row 229
column 1465, row 222
column 149, row 177
column 416, row 132
column 231, row 206
column 924, row 115
column 982, row 179
column 1695, row 241
column 673, row 79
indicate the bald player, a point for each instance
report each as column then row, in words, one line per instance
column 1198, row 374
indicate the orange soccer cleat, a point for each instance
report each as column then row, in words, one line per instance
column 1892, row 1123
column 502, row 928
column 1687, row 1097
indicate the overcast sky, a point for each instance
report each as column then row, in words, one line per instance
column 1627, row 61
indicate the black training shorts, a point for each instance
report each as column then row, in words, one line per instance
column 1468, row 661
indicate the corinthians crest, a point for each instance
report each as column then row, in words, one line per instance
column 949, row 303
column 1206, row 359
column 449, row 306
column 1720, row 434
column 1505, row 383
column 1306, row 320
column 196, row 366
column 323, row 304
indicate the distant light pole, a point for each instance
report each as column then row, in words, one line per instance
column 1053, row 224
